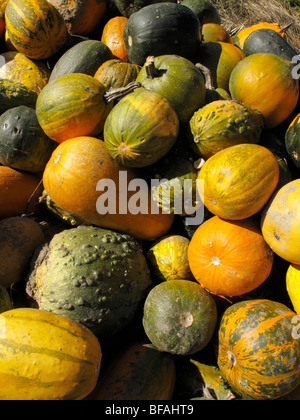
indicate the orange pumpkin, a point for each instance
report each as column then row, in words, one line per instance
column 229, row 258
column 265, row 81
column 71, row 180
column 212, row 32
column 81, row 17
column 112, row 36
column 240, row 38
column 16, row 189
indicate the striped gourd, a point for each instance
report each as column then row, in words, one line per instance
column 35, row 28
column 44, row 356
column 259, row 349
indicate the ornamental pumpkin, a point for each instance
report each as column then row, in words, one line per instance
column 80, row 17
column 281, row 222
column 115, row 73
column 293, row 286
column 213, row 32
column 112, row 36
column 262, row 76
column 258, row 350
column 205, row 11
column 20, row 237
column 140, row 372
column 71, row 179
column 140, row 129
column 292, row 140
column 241, row 36
column 19, row 192
column 162, row 28
column 168, row 258
column 224, row 123
column 176, row 79
column 19, row 68
column 72, row 105
column 60, row 359
column 229, row 258
column 35, row 27
column 179, row 317
column 238, row 181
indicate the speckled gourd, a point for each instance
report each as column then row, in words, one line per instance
column 91, row 275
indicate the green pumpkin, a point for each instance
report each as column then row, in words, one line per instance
column 178, row 80
column 292, row 141
column 140, row 129
column 162, row 28
column 205, row 10
column 23, row 144
column 128, row 7
column 179, row 317
column 91, row 275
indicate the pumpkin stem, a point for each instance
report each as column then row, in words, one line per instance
column 119, row 93
column 207, row 74
column 150, row 68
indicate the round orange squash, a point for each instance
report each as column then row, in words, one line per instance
column 229, row 258
column 281, row 222
column 112, row 36
column 213, row 32
column 264, row 81
column 71, row 180
column 19, row 192
column 238, row 181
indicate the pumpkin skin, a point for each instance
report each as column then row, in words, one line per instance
column 179, row 317
column 292, row 140
column 260, row 76
column 229, row 258
column 138, row 373
column 21, row 236
column 281, row 222
column 140, row 129
column 241, row 36
column 16, row 189
column 222, row 124
column 205, row 11
column 168, row 258
column 128, row 7
column 292, row 286
column 115, row 73
column 23, row 144
column 80, row 17
column 15, row 94
column 257, row 353
column 233, row 189
column 68, row 164
column 176, row 79
column 213, row 32
column 72, row 105
column 61, row 362
column 39, row 31
column 112, row 36
column 147, row 32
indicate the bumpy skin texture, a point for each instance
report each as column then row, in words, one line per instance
column 94, row 276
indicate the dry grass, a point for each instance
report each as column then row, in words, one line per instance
column 238, row 14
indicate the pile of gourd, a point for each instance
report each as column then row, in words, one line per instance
column 110, row 292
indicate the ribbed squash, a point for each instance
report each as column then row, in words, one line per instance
column 71, row 180
column 179, row 317
column 35, row 27
column 229, row 258
column 112, row 36
column 238, row 181
column 281, row 222
column 293, row 285
column 242, row 35
column 19, row 68
column 258, row 352
column 115, row 73
column 168, row 258
column 140, row 372
column 140, row 129
column 262, row 76
column 292, row 140
column 72, row 105
column 222, row 124
column 46, row 357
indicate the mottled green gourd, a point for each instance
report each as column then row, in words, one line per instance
column 91, row 275
column 14, row 94
column 224, row 123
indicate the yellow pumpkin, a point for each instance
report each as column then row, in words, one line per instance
column 293, row 286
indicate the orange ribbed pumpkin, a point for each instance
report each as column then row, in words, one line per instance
column 229, row 258
column 112, row 36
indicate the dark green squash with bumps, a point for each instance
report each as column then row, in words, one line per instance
column 91, row 275
column 162, row 28
column 292, row 140
column 205, row 10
